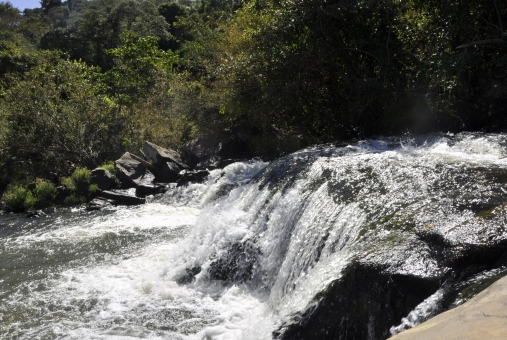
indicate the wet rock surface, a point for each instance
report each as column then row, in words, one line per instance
column 236, row 264
column 121, row 198
column 149, row 189
column 196, row 176
column 362, row 305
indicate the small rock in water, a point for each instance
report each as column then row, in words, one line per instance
column 98, row 203
column 197, row 176
column 35, row 214
column 144, row 190
column 122, row 198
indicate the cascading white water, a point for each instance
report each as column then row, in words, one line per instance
column 115, row 274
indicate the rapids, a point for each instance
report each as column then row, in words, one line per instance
column 254, row 249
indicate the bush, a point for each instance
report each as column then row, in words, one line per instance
column 81, row 175
column 73, row 200
column 93, row 188
column 68, row 183
column 15, row 196
column 45, row 193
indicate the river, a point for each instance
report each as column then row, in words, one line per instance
column 239, row 255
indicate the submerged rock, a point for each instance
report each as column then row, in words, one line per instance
column 236, row 264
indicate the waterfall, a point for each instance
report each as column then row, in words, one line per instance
column 257, row 247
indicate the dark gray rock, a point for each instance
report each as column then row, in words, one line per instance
column 197, row 176
column 131, row 172
column 62, row 193
column 236, row 264
column 168, row 173
column 189, row 276
column 369, row 298
column 98, row 203
column 144, row 190
column 159, row 156
column 217, row 149
column 36, row 214
column 122, row 198
column 103, row 178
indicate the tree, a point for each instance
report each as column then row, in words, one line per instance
column 58, row 114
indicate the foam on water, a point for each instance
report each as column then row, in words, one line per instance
column 113, row 274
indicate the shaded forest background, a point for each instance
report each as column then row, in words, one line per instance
column 82, row 81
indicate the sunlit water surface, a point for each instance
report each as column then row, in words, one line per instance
column 112, row 274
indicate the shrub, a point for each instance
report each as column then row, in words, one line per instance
column 81, row 175
column 45, row 193
column 30, row 201
column 93, row 188
column 15, row 196
column 73, row 200
column 68, row 183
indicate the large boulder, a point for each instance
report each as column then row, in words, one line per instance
column 159, row 155
column 103, row 178
column 132, row 172
column 169, row 172
column 217, row 149
column 167, row 162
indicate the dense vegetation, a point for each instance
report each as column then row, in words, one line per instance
column 83, row 80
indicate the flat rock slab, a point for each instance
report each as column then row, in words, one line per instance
column 123, row 198
column 483, row 317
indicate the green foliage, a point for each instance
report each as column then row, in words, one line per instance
column 68, row 182
column 18, row 198
column 109, row 166
column 93, row 189
column 15, row 197
column 81, row 175
column 74, row 200
column 121, row 72
column 44, row 194
column 56, row 115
